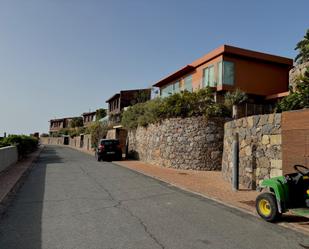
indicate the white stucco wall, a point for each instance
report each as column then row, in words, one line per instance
column 8, row 156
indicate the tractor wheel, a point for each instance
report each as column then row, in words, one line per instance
column 266, row 206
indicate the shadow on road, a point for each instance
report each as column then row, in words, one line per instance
column 21, row 225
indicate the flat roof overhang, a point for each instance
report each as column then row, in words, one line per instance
column 174, row 76
column 117, row 95
column 88, row 113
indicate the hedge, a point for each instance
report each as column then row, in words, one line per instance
column 183, row 104
column 24, row 144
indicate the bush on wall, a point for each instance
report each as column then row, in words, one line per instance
column 298, row 98
column 184, row 104
column 97, row 130
column 72, row 132
column 25, row 144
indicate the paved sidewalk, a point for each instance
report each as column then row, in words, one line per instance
column 211, row 185
column 11, row 178
column 207, row 183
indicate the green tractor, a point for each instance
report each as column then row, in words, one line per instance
column 284, row 193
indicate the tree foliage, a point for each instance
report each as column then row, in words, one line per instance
column 303, row 49
column 72, row 132
column 299, row 97
column 235, row 98
column 98, row 131
column 76, row 122
column 100, row 113
column 140, row 97
column 184, row 104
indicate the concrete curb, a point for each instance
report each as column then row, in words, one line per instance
column 13, row 186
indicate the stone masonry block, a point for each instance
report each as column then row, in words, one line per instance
column 248, row 151
column 275, row 139
column 250, row 122
column 275, row 173
column 265, row 139
column 276, row 164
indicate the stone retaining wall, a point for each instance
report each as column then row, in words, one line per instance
column 8, row 156
column 260, row 153
column 190, row 143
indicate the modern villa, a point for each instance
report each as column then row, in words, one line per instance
column 264, row 77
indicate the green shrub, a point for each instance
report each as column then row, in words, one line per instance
column 4, row 143
column 184, row 104
column 97, row 130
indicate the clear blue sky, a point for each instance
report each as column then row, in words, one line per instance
column 64, row 57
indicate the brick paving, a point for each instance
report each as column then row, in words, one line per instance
column 207, row 183
column 210, row 184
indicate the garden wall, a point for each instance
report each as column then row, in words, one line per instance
column 260, row 152
column 8, row 156
column 188, row 143
column 51, row 140
column 75, row 142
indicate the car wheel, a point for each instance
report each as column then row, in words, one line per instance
column 267, row 208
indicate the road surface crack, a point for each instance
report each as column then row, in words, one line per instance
column 142, row 223
column 120, row 206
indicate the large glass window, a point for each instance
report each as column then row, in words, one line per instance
column 226, row 73
column 188, row 83
column 220, row 72
column 170, row 89
column 176, row 87
column 167, row 91
column 209, row 76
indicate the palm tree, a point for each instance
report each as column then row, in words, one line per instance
column 233, row 99
column 303, row 49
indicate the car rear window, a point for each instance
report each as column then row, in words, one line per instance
column 109, row 142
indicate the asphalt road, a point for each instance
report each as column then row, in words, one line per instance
column 70, row 201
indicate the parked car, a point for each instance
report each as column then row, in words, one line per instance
column 108, row 149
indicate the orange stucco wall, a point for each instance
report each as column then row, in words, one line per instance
column 259, row 77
